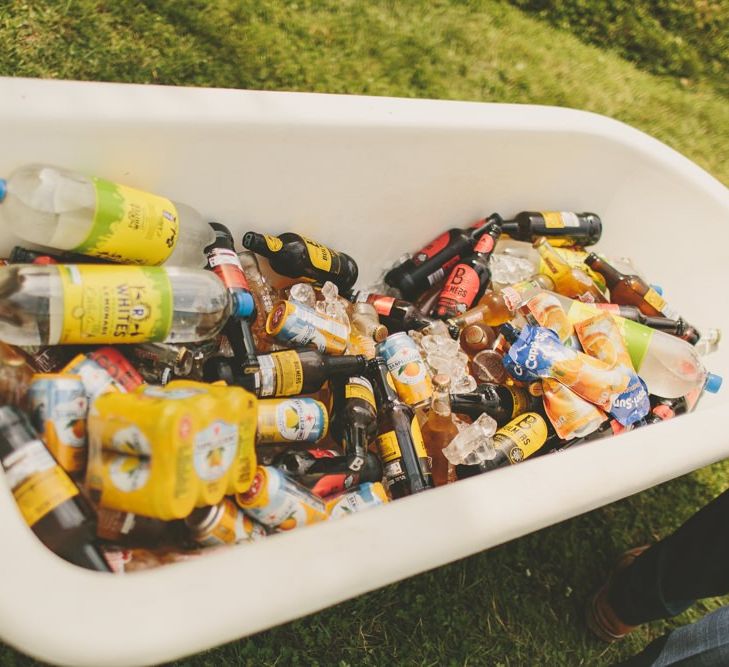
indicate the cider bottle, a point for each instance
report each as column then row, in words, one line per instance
column 439, row 429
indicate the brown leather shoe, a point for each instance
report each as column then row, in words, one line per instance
column 601, row 617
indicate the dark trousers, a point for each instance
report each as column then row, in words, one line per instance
column 690, row 564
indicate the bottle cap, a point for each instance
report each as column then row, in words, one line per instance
column 657, row 288
column 3, row 188
column 243, row 303
column 713, row 383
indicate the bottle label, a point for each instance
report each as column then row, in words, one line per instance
column 560, row 219
column 459, row 291
column 130, row 225
column 518, row 399
column 214, row 450
column 409, row 374
column 291, row 420
column 320, row 256
column 655, row 299
column 521, row 437
column 388, row 446
column 359, row 387
column 226, row 265
column 418, row 439
column 381, row 303
column 281, row 374
column 432, row 249
column 103, row 304
column 273, row 242
column 485, row 244
column 38, row 483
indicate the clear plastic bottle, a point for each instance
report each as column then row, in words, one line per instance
column 101, row 304
column 60, row 209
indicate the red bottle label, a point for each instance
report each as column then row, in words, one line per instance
column 432, row 249
column 226, row 265
column 382, row 304
column 117, row 365
column 322, row 453
column 485, row 244
column 459, row 291
column 331, row 484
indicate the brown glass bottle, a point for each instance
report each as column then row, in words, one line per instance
column 439, row 429
column 679, row 328
column 399, row 440
column 469, row 278
column 395, row 314
column 568, row 280
column 476, row 338
column 628, row 290
column 353, row 417
column 298, row 256
column 561, row 227
column 431, row 264
column 499, row 402
column 48, row 499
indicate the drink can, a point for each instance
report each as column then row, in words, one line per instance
column 295, row 323
column 95, row 378
column 280, row 503
column 407, row 368
column 224, row 523
column 118, row 366
column 291, row 420
column 58, row 407
column 369, row 494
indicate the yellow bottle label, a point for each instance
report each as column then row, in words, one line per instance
column 38, row 483
column 521, row 437
column 110, row 304
column 655, row 299
column 519, row 399
column 273, row 242
column 320, row 255
column 131, row 226
column 418, row 439
column 388, row 446
column 552, row 219
column 359, row 388
column 289, row 373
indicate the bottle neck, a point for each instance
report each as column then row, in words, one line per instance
column 223, row 237
column 555, row 264
column 494, row 220
column 89, row 556
column 257, row 243
column 440, row 403
column 347, row 364
column 485, row 245
column 610, row 273
column 386, row 394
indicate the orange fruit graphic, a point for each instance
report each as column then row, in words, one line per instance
column 287, row 524
column 411, row 370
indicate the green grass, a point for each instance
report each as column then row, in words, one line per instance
column 519, row 604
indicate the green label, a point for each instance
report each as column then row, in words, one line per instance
column 131, row 226
column 637, row 338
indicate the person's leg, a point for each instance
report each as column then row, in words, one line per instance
column 690, row 564
column 704, row 643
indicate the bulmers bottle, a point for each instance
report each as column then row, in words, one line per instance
column 93, row 304
column 48, row 499
column 61, row 209
column 298, row 256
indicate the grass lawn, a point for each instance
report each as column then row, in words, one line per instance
column 521, row 603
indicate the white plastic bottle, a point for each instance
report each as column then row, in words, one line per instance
column 59, row 209
column 102, row 304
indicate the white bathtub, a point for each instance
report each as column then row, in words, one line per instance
column 374, row 177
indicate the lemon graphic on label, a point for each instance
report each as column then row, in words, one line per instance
column 129, row 473
column 291, row 418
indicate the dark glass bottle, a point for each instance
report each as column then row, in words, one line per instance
column 679, row 327
column 21, row 255
column 354, row 417
column 396, row 314
column 48, row 499
column 399, row 440
column 562, row 228
column 223, row 261
column 325, row 472
column 289, row 372
column 432, row 263
column 468, row 279
column 297, row 256
column 498, row 401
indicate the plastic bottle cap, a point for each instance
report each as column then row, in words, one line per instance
column 713, row 383
column 243, row 303
column 3, row 188
column 658, row 289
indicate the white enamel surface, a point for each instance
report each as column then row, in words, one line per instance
column 373, row 177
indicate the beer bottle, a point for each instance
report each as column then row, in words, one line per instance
column 395, row 314
column 521, row 438
column 468, row 279
column 431, row 264
column 325, row 471
column 49, row 500
column 562, row 228
column 15, row 376
column 289, row 372
column 568, row 280
column 679, row 328
column 399, row 440
column 265, row 297
column 297, row 256
column 439, row 429
column 499, row 306
column 354, row 417
column 498, row 401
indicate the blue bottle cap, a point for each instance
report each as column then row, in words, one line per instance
column 243, row 303
column 658, row 289
column 713, row 383
column 3, row 188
